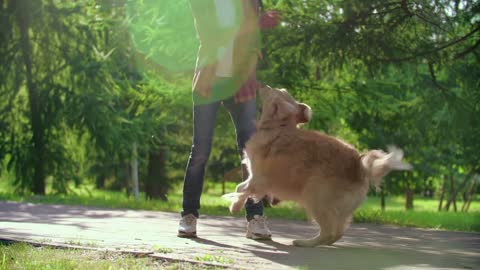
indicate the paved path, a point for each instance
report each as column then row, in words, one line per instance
column 364, row 246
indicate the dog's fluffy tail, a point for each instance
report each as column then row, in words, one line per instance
column 377, row 164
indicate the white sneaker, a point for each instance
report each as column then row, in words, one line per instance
column 188, row 226
column 257, row 229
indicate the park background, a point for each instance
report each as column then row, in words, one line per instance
column 94, row 93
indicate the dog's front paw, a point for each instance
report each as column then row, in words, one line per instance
column 235, row 207
column 242, row 186
column 305, row 242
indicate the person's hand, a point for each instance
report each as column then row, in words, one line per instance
column 270, row 19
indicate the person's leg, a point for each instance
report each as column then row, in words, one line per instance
column 203, row 127
column 243, row 116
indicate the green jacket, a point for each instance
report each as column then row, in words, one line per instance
column 244, row 33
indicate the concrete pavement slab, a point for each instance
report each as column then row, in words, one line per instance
column 222, row 239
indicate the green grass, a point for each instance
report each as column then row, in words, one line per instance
column 214, row 259
column 26, row 257
column 161, row 249
column 82, row 243
column 424, row 215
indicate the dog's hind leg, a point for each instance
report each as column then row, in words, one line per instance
column 340, row 224
column 326, row 234
column 332, row 228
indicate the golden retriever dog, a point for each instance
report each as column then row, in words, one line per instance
column 326, row 176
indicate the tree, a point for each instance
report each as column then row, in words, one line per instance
column 57, row 49
column 22, row 54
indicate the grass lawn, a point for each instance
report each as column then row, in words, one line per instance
column 424, row 215
column 26, row 257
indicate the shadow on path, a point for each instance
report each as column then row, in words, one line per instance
column 364, row 246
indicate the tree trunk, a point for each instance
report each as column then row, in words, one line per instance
column 442, row 194
column 155, row 182
column 100, row 181
column 382, row 198
column 38, row 132
column 455, row 203
column 471, row 190
column 453, row 195
column 408, row 198
column 452, row 192
column 126, row 177
column 135, row 170
column 318, row 73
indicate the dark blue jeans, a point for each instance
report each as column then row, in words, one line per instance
column 243, row 116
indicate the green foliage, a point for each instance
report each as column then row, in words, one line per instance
column 91, row 94
column 386, row 72
column 163, row 33
column 81, row 82
column 59, row 61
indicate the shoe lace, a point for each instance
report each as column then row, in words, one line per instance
column 261, row 220
column 189, row 220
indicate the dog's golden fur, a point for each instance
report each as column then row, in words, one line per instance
column 326, row 176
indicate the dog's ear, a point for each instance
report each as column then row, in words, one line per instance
column 277, row 109
column 304, row 114
column 265, row 91
column 281, row 109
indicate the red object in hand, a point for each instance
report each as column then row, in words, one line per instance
column 270, row 19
